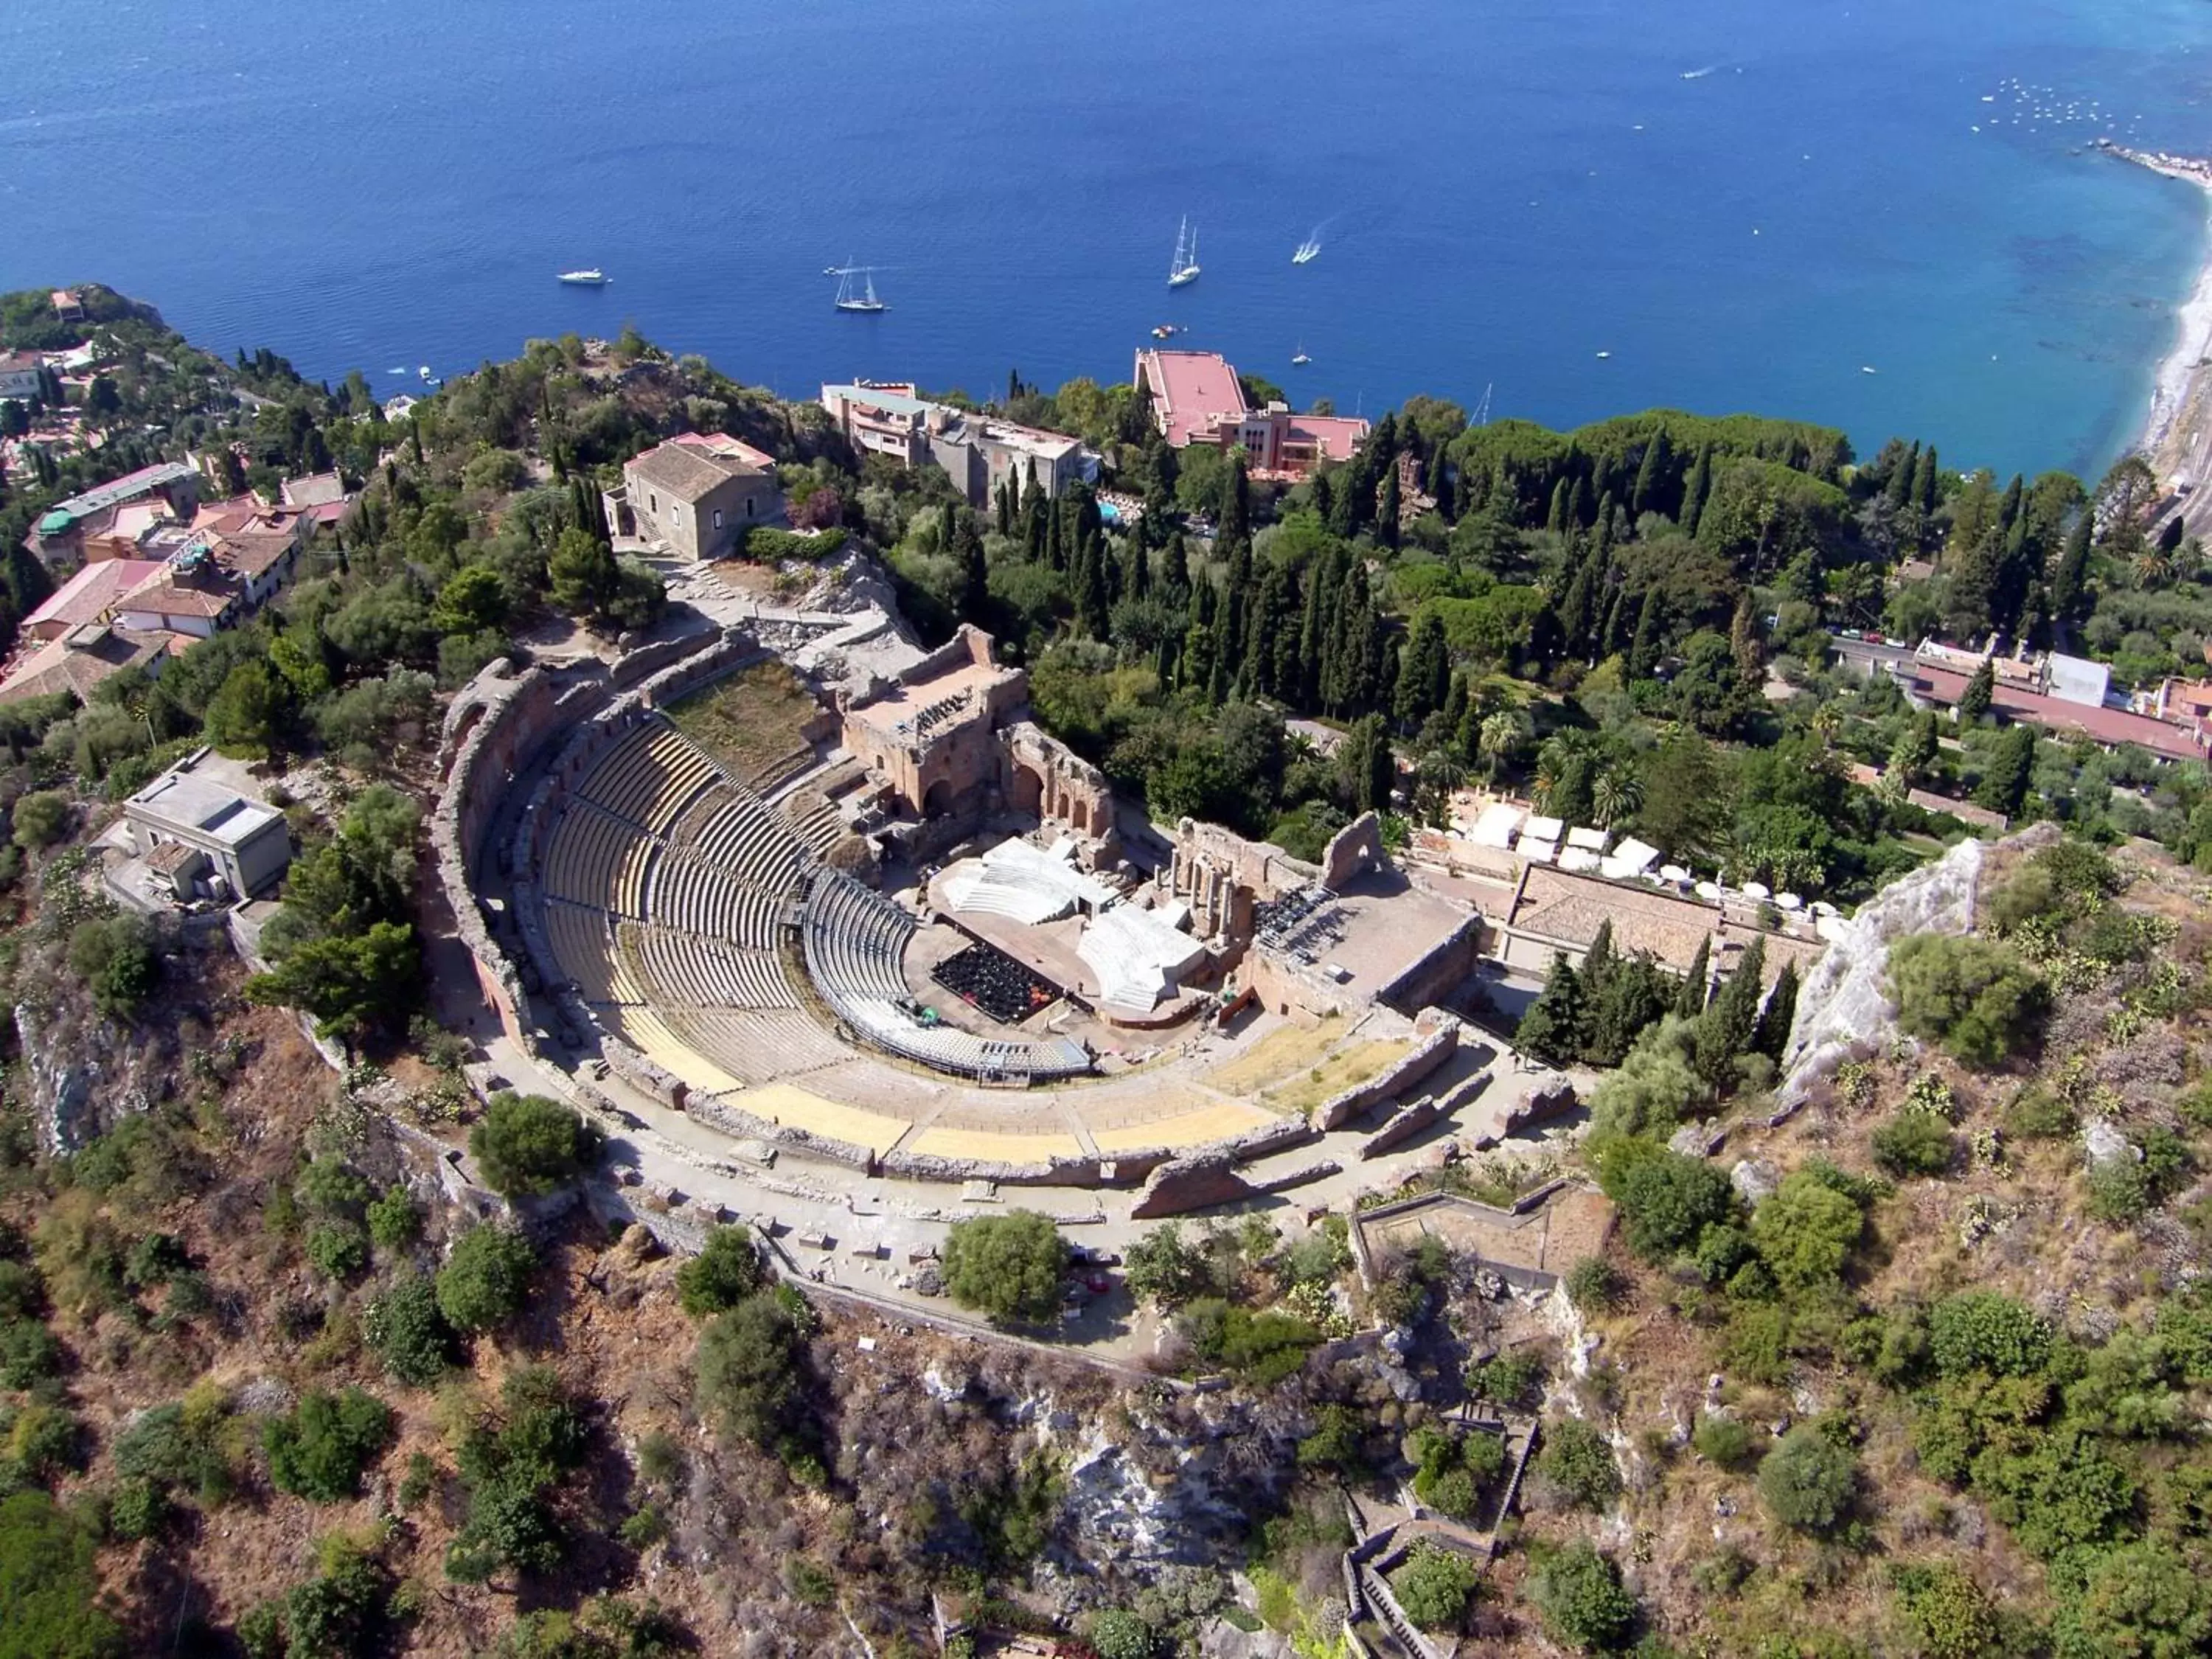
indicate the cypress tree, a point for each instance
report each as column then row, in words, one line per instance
column 1924, row 481
column 1456, row 702
column 1725, row 1028
column 1578, row 506
column 1424, row 671
column 1386, row 514
column 1609, row 636
column 975, row 580
column 1237, row 596
column 1324, row 498
column 1237, row 510
column 1689, row 1001
column 2069, row 575
column 1055, row 555
column 1772, row 1035
column 1597, row 961
column 1744, row 643
column 1695, row 491
column 1137, row 580
column 1575, row 612
column 1644, row 654
column 1974, row 701
column 1551, row 1028
column 1643, row 497
column 1093, row 600
column 2012, row 767
column 1178, row 570
column 414, row 438
column 1557, row 522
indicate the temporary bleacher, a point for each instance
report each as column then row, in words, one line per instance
column 855, row 940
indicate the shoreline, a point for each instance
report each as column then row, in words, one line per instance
column 2181, row 386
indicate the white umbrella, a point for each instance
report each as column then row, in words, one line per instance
column 1756, row 890
column 1708, row 890
column 1787, row 901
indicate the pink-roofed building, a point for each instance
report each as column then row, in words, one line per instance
column 1197, row 399
column 2062, row 718
column 89, row 596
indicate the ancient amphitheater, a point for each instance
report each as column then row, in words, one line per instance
column 914, row 935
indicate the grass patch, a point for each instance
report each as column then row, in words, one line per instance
column 1276, row 1056
column 754, row 722
column 1347, row 1067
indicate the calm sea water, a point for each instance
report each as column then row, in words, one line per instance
column 1745, row 205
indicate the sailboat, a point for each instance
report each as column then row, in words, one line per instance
column 1183, row 269
column 865, row 301
column 1300, row 360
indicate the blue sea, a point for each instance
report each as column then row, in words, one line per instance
column 1575, row 207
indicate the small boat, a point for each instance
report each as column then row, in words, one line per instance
column 1308, row 250
column 592, row 278
column 1298, row 359
column 1166, row 331
column 863, row 302
column 1602, row 355
column 424, row 371
column 1183, row 267
column 1868, row 368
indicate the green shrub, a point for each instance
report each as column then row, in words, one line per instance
column 1808, row 1481
column 1594, row 1285
column 50, row 1585
column 1972, row 994
column 661, row 1459
column 1335, row 1442
column 408, row 1331
column 44, row 1442
column 1510, row 1379
column 1724, row 1441
column 328, row 1187
column 1117, row 1633
column 1435, row 1586
column 41, row 819
column 1263, row 1348
column 2039, row 1113
column 1943, row 1613
column 117, row 958
column 318, row 1449
column 337, row 1250
column 748, row 1370
column 1913, row 1143
column 1666, row 1200
column 485, row 1277
column 2145, row 1601
column 137, row 1509
column 724, row 1273
column 1579, row 1593
column 1008, row 1266
column 528, row 1145
column 22, row 1292
column 1578, row 1460
column 1805, row 1230
column 1984, row 1331
column 395, row 1220
column 29, row 1352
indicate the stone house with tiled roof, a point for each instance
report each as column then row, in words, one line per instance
column 697, row 502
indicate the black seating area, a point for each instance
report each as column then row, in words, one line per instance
column 988, row 978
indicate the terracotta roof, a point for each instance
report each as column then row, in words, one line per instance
column 1571, row 909
column 2107, row 725
column 165, row 596
column 721, row 443
column 317, row 489
column 687, row 473
column 81, row 660
column 254, row 553
column 86, row 596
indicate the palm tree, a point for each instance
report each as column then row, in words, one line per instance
column 1616, row 794
column 1827, row 725
column 1496, row 738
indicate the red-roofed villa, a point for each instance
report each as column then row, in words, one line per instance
column 1197, row 399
